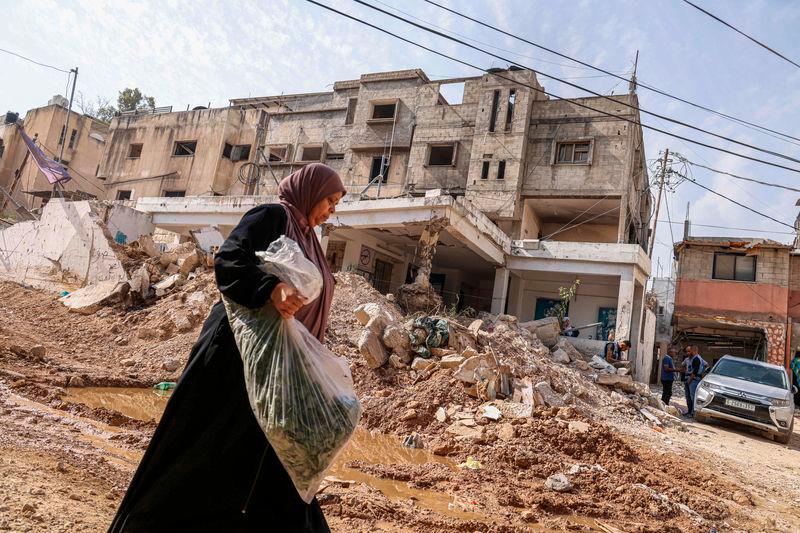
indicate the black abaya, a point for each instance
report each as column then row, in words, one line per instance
column 209, row 466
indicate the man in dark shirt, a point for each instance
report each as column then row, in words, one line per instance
column 615, row 353
column 694, row 374
column 668, row 372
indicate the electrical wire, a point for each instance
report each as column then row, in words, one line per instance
column 731, row 228
column 638, row 82
column 740, row 32
column 550, row 94
column 766, row 183
column 573, row 85
column 33, row 61
column 576, row 217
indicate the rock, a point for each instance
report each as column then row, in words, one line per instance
column 460, row 338
column 599, row 363
column 196, row 299
column 128, row 362
column 419, row 364
column 655, row 403
column 182, row 321
column 580, row 468
column 91, row 298
column 371, row 348
column 466, row 370
column 189, row 262
column 528, row 516
column 147, row 245
column 506, row 432
column 461, row 430
column 546, row 329
column 395, row 338
column 396, row 362
column 147, row 333
column 451, row 361
column 166, row 284
column 365, row 312
column 674, row 411
column 120, row 341
column 512, row 410
column 172, row 268
column 571, row 351
column 167, row 258
column 560, row 356
column 38, row 352
column 511, row 319
column 76, row 381
column 376, row 325
column 170, row 365
column 441, row 414
column 442, row 352
column 551, row 399
column 616, row 381
column 582, row 365
column 742, row 498
column 578, row 426
column 489, row 411
column 558, row 482
column 623, row 371
column 475, row 327
column 140, row 281
column 413, row 441
column 409, row 414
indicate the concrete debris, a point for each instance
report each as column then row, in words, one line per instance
column 147, row 245
column 370, row 346
column 172, row 268
column 163, row 286
column 395, row 338
column 582, row 365
column 441, row 414
column 452, row 361
column 558, row 483
column 409, row 414
column 466, row 370
column 560, row 356
column 578, row 426
column 170, row 365
column 546, row 329
column 419, row 364
column 413, row 441
column 489, row 411
column 571, row 351
column 396, row 362
column 460, row 430
column 582, row 468
column 475, row 327
column 623, row 371
column 599, row 363
column 551, row 399
column 506, row 432
column 92, row 298
column 365, row 312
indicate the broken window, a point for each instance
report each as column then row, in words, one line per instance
column 351, row 110
column 72, row 139
column 512, row 100
column 236, row 152
column 61, row 137
column 451, row 93
column 278, row 154
column 495, row 104
column 501, row 170
column 134, row 151
column 174, row 194
column 185, row 148
column 736, row 267
column 380, row 167
column 383, row 111
column 331, row 156
column 485, row 170
column 573, row 152
column 124, row 195
column 311, row 153
column 442, row 154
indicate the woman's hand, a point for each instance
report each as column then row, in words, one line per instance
column 286, row 300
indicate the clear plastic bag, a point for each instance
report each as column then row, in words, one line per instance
column 300, row 392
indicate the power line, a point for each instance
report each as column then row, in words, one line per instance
column 33, row 61
column 552, row 95
column 740, row 32
column 766, row 183
column 599, row 69
column 691, row 180
column 730, row 228
column 561, row 80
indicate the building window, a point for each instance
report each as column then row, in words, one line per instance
column 278, row 154
column 351, row 110
column 501, row 170
column 485, row 170
column 495, row 104
column 383, row 111
column 134, row 151
column 2, row 147
column 61, row 137
column 174, row 194
column 124, row 195
column 311, row 153
column 331, row 156
column 512, row 100
column 735, row 267
column 380, row 167
column 184, row 148
column 442, row 154
column 73, row 139
column 573, row 152
column 236, row 152
column 660, row 310
column 97, row 171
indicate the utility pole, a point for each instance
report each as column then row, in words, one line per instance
column 658, row 202
column 632, row 84
column 66, row 125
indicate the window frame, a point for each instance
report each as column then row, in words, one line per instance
column 386, row 163
column 350, row 114
column 373, row 103
column 287, row 154
column 178, row 143
column 130, row 146
column 73, row 139
column 754, row 258
column 494, row 111
column 573, row 142
column 485, row 167
column 501, row 170
column 511, row 104
column 173, row 193
column 453, row 159
column 301, row 153
column 130, row 195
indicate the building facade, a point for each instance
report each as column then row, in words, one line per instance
column 85, row 144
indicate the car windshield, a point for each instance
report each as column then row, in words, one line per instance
column 772, row 377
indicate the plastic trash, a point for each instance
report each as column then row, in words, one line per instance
column 164, row 385
column 300, row 392
column 471, row 463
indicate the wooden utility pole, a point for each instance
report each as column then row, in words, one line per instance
column 65, row 140
column 658, row 203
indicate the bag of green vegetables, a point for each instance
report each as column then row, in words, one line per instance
column 301, row 393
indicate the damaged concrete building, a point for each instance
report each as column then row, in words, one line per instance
column 737, row 296
column 85, row 145
column 516, row 194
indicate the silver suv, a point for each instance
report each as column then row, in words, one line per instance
column 749, row 392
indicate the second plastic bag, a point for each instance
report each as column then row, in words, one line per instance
column 300, row 392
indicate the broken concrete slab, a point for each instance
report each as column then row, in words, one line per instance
column 370, row 346
column 419, row 364
column 89, row 300
column 512, row 410
column 490, row 411
column 546, row 329
column 466, row 370
column 560, row 356
column 395, row 338
column 599, row 363
column 558, row 483
column 365, row 312
column 550, row 397
column 617, row 381
column 570, row 350
column 166, row 284
column 451, row 361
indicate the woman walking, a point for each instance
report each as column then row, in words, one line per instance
column 209, row 466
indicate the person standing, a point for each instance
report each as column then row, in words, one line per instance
column 795, row 366
column 209, row 466
column 697, row 367
column 668, row 372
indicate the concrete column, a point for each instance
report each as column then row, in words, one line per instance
column 515, row 296
column 500, row 291
column 425, row 251
column 323, row 233
column 625, row 305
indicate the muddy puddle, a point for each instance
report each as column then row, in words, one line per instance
column 137, row 403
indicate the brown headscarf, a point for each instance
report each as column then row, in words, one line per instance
column 299, row 193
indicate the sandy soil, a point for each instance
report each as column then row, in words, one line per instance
column 64, row 465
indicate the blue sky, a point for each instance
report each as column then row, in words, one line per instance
column 193, row 53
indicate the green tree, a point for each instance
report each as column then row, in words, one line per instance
column 132, row 99
column 564, row 295
column 127, row 100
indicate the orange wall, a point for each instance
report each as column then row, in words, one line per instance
column 721, row 297
column 794, row 304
